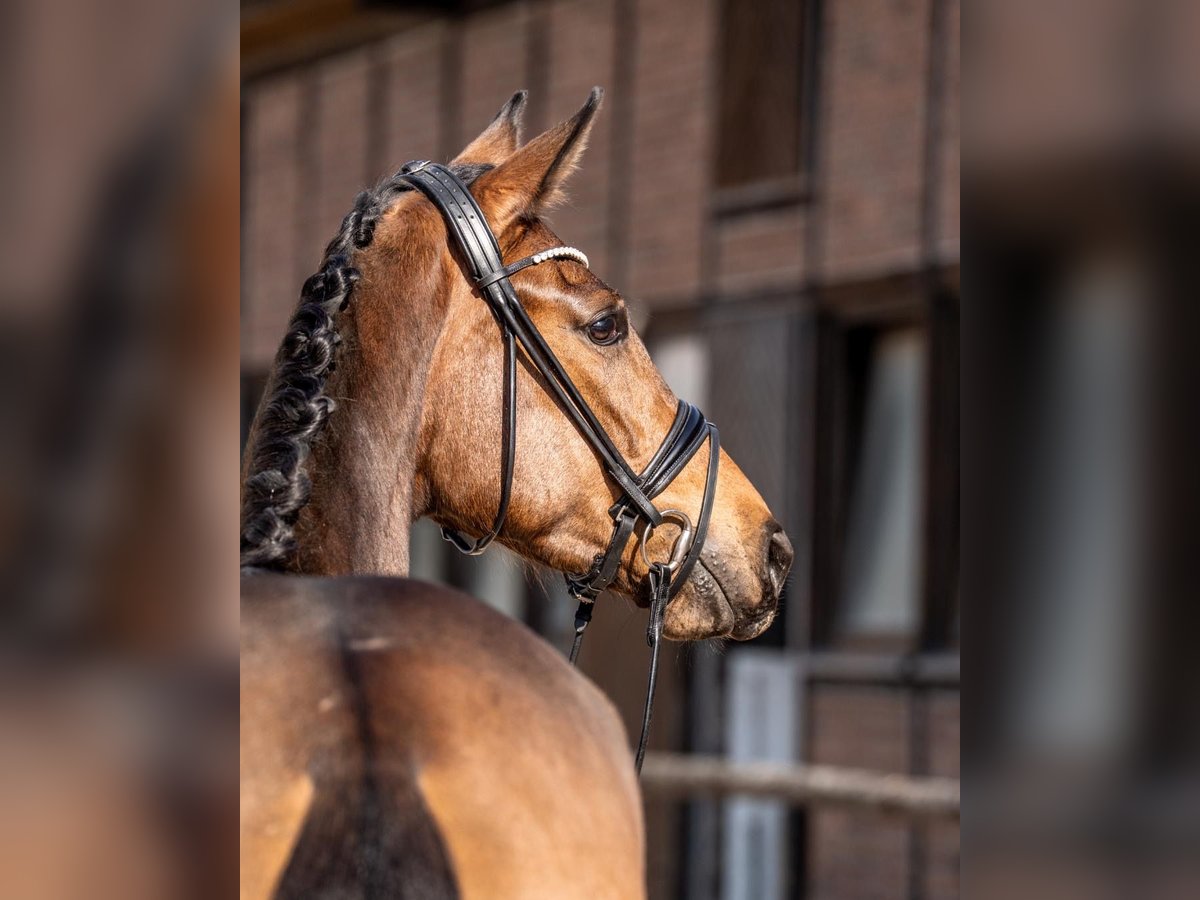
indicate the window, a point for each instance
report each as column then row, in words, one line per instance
column 880, row 566
column 761, row 92
column 885, row 488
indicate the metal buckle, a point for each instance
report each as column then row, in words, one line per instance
column 682, row 545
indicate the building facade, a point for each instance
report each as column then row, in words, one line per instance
column 774, row 186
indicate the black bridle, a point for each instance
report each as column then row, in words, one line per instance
column 474, row 237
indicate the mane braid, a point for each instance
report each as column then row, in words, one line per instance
column 296, row 408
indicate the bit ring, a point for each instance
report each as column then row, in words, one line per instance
column 682, row 545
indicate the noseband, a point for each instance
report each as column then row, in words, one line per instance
column 689, row 431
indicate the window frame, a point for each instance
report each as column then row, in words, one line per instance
column 840, row 313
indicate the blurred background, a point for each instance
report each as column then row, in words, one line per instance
column 774, row 186
column 118, row 468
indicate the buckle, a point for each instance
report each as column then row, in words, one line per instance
column 461, row 542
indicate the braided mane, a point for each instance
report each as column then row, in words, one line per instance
column 295, row 408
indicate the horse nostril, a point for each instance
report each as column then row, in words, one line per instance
column 779, row 561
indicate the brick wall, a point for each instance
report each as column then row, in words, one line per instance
column 874, row 116
column 271, row 193
column 313, row 140
column 851, row 854
column 856, row 855
column 763, row 251
column 580, row 39
column 494, row 60
column 669, row 163
column 951, row 124
column 409, row 67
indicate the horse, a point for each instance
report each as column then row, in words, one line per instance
column 402, row 739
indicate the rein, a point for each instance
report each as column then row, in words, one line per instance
column 689, row 431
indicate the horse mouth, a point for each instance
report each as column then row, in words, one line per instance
column 750, row 627
column 709, row 588
column 710, row 609
column 745, row 625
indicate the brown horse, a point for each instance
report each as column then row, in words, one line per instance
column 400, row 739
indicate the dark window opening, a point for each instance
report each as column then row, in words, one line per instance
column 879, row 572
column 885, row 503
column 761, row 92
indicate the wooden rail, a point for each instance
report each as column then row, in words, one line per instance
column 802, row 785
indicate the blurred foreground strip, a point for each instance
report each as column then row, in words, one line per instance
column 119, row 310
column 801, row 785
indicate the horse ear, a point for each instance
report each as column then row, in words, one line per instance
column 530, row 181
column 501, row 138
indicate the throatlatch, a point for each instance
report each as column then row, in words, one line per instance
column 474, row 237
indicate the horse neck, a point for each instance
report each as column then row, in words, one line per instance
column 363, row 469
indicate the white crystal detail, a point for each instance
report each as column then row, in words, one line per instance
column 562, row 253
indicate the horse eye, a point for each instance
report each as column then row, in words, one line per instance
column 604, row 330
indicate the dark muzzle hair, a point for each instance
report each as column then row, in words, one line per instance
column 295, row 406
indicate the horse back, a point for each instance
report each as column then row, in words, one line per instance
column 400, row 739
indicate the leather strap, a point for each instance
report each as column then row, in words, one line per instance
column 475, row 239
column 508, row 455
column 685, row 437
column 660, row 594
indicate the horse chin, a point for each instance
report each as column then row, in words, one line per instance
column 701, row 610
column 714, row 607
column 750, row 627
